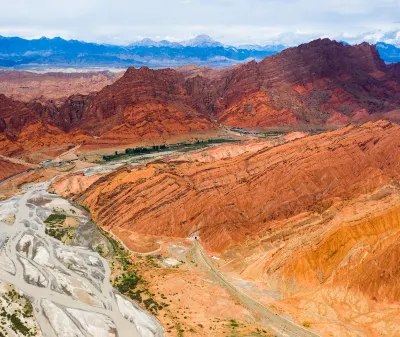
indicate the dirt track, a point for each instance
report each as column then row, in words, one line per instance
column 277, row 324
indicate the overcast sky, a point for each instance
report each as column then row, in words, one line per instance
column 228, row 21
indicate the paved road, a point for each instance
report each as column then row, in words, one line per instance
column 277, row 324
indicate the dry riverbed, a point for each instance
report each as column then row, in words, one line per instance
column 51, row 270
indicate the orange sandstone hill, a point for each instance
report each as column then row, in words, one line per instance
column 317, row 218
column 240, row 198
column 23, row 129
column 319, row 83
column 143, row 105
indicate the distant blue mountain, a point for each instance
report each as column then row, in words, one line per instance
column 57, row 52
column 388, row 52
column 20, row 53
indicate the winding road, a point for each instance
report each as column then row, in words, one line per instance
column 277, row 324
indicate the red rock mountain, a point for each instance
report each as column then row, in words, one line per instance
column 320, row 83
column 144, row 103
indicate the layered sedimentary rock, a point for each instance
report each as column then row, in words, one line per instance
column 144, row 103
column 240, row 197
column 14, row 116
column 316, row 84
column 359, row 254
column 24, row 128
column 321, row 82
column 317, row 218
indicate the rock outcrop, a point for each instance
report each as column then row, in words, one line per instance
column 316, row 219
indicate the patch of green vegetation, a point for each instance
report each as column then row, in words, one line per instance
column 137, row 151
column 129, row 282
column 12, row 295
column 179, row 329
column 306, row 324
column 24, row 308
column 100, row 250
column 118, row 250
column 269, row 134
column 87, row 209
column 126, row 282
column 261, row 333
column 150, row 261
column 55, row 218
column 233, row 323
column 18, row 326
column 65, row 235
column 55, row 228
column 28, row 309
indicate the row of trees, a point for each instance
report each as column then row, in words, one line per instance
column 145, row 149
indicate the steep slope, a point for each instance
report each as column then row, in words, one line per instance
column 25, row 127
column 321, row 82
column 239, row 198
column 9, row 169
column 14, row 115
column 315, row 220
column 143, row 104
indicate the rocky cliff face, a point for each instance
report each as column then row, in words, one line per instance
column 14, row 116
column 25, row 127
column 322, row 82
column 143, row 104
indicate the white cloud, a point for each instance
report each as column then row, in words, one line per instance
column 229, row 21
